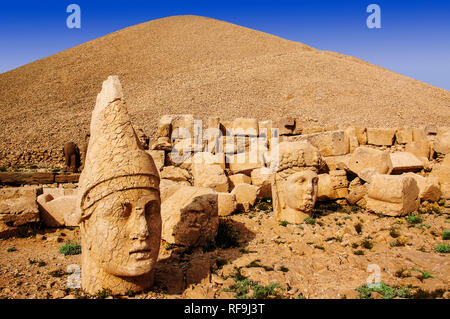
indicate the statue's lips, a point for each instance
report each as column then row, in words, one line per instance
column 141, row 253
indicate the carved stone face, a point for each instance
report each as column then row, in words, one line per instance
column 300, row 191
column 123, row 232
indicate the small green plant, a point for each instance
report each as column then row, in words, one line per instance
column 284, row 269
column 284, row 223
column 359, row 252
column 366, row 243
column 365, row 291
column 394, row 232
column 425, row 275
column 263, row 205
column 242, row 287
column 33, row 167
column 442, row 248
column 396, row 243
column 102, row 294
column 309, row 220
column 414, row 219
column 57, row 273
column 358, row 228
column 11, row 249
column 355, row 245
column 446, row 234
column 40, row 263
column 70, row 248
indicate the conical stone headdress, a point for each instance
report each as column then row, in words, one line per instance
column 115, row 160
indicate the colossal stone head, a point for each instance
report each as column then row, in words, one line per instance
column 295, row 183
column 300, row 191
column 119, row 201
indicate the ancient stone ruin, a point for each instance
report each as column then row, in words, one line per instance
column 135, row 191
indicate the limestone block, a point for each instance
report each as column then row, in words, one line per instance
column 404, row 135
column 226, row 204
column 332, row 186
column 18, row 205
column 429, row 189
column 190, row 216
column 350, row 133
column 245, row 195
column 361, row 135
column 403, row 162
column 392, row 195
column 419, row 148
column 262, row 178
column 331, row 143
column 58, row 212
column 244, row 163
column 162, row 143
column 337, row 162
column 245, row 126
column 442, row 173
column 356, row 191
column 239, row 179
column 210, row 175
column 442, row 143
column 206, row 158
column 164, row 126
column 380, row 136
column 175, row 174
column 364, row 157
column 182, row 126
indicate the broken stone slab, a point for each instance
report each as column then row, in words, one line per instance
column 211, row 176
column 429, row 189
column 332, row 186
column 404, row 135
column 226, row 204
column 286, row 126
column 162, row 144
column 164, row 126
column 69, row 178
column 380, row 136
column 58, row 212
column 330, row 143
column 175, row 174
column 239, row 179
column 16, row 178
column 356, row 191
column 18, row 205
column 190, row 216
column 244, row 163
column 337, row 162
column 364, row 157
column 442, row 173
column 245, row 196
column 392, row 195
column 262, row 178
column 442, row 143
column 403, row 162
column 245, row 127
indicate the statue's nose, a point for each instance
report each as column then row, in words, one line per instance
column 139, row 226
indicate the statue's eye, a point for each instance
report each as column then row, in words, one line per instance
column 151, row 208
column 126, row 210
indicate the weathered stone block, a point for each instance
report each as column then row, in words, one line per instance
column 392, row 195
column 380, row 136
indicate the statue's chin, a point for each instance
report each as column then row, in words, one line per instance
column 131, row 269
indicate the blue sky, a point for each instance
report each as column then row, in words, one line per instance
column 414, row 39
